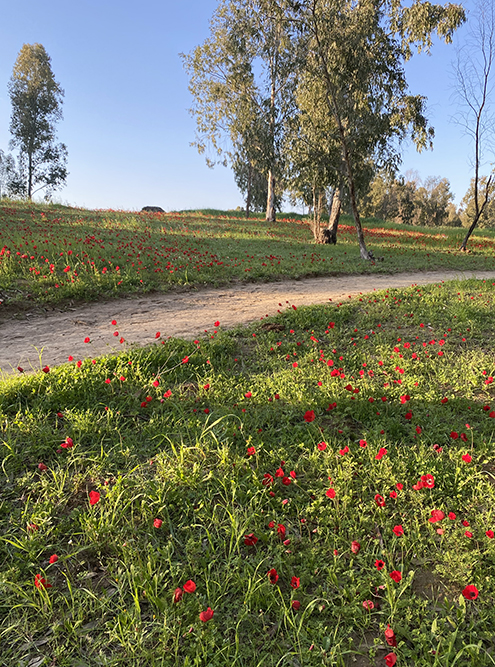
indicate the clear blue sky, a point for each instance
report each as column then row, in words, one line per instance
column 126, row 124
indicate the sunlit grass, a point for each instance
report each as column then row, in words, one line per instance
column 213, row 461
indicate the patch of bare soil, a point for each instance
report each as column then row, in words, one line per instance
column 30, row 339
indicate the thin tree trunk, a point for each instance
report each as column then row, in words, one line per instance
column 334, row 217
column 249, row 185
column 30, row 175
column 478, row 214
column 270, row 201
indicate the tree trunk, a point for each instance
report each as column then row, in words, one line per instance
column 479, row 211
column 333, row 221
column 270, row 201
column 249, row 185
column 30, row 175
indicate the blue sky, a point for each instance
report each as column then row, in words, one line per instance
column 126, row 124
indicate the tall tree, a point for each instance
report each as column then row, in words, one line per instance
column 357, row 49
column 242, row 79
column 36, row 106
column 474, row 90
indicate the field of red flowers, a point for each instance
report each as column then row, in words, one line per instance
column 51, row 254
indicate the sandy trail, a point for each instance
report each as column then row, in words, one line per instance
column 54, row 336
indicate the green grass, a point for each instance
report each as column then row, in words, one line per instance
column 185, row 458
column 55, row 254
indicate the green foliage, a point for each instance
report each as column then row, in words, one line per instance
column 36, row 100
column 189, row 443
column 429, row 204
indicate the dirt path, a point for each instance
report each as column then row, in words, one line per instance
column 58, row 334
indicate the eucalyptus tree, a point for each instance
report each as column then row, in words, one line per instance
column 358, row 50
column 36, row 107
column 242, row 80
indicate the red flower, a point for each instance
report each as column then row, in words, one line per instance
column 418, row 430
column 53, row 559
column 428, row 481
column 177, row 595
column 452, row 516
column 467, row 458
column 167, row 394
column 363, row 443
column 157, row 335
column 331, row 493
column 390, row 659
column 390, row 636
column 368, row 604
column 94, row 497
column 296, row 605
column 355, row 547
column 309, row 416
column 322, row 446
column 216, row 324
column 408, row 415
column 279, row 472
column 454, row 435
column 40, row 582
column 380, row 500
column 398, row 530
column 87, row 339
column 267, row 479
column 114, row 322
column 273, row 576
column 250, row 540
column 344, row 451
column 396, row 576
column 42, row 467
column 189, row 586
column 251, row 451
column 470, row 592
column 295, row 582
column 184, row 361
column 248, row 394
column 379, row 564
column 436, row 515
column 45, row 369
column 281, row 531
column 207, row 615
column 157, row 523
column 381, row 453
column 490, row 534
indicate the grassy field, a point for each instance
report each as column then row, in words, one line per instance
column 55, row 254
column 317, row 489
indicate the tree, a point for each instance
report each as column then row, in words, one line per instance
column 473, row 73
column 36, row 106
column 357, row 50
column 487, row 216
column 242, row 81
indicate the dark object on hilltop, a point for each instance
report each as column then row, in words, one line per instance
column 153, row 209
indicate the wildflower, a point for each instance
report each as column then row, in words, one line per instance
column 436, row 515
column 207, row 615
column 355, row 547
column 94, row 497
column 330, row 493
column 295, row 582
column 390, row 659
column 380, row 500
column 296, row 605
column 398, row 530
column 467, row 458
column 40, row 582
column 250, row 540
column 272, row 576
column 309, row 416
column 177, row 595
column 368, row 604
column 322, row 446
column 396, row 576
column 53, row 559
column 379, row 564
column 390, row 636
column 381, row 453
column 157, row 523
column 470, row 592
column 189, row 586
